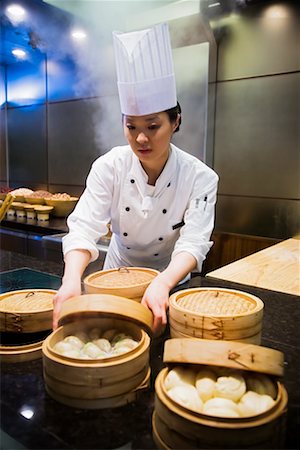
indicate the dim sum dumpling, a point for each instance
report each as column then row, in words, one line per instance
column 94, row 333
column 74, row 341
column 119, row 337
column 205, row 383
column 126, row 342
column 232, row 386
column 109, row 334
column 62, row 347
column 253, row 403
column 262, row 384
column 121, row 349
column 186, row 395
column 179, row 376
column 92, row 350
column 73, row 353
column 82, row 336
column 222, row 407
column 103, row 344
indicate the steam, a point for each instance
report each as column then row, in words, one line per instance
column 95, row 65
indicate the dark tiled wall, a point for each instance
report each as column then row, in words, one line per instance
column 257, row 140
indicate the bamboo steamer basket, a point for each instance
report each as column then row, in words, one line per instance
column 26, row 310
column 99, row 383
column 129, row 282
column 177, row 427
column 25, row 320
column 216, row 313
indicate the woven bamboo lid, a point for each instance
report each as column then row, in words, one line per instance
column 217, row 302
column 27, row 301
column 121, row 277
column 229, row 354
column 110, row 306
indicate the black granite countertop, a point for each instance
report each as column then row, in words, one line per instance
column 56, row 426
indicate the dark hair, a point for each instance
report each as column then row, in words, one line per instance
column 173, row 113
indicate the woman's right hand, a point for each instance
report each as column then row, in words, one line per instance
column 69, row 288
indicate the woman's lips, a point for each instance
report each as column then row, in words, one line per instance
column 144, row 151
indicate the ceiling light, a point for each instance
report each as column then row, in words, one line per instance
column 78, row 34
column 212, row 5
column 19, row 53
column 28, row 413
column 15, row 12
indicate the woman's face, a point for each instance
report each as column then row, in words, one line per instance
column 149, row 137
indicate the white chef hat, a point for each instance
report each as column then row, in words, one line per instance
column 146, row 80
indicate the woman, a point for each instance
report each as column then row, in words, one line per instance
column 158, row 199
column 168, row 229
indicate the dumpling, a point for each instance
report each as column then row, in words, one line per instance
column 119, row 337
column 262, row 384
column 74, row 341
column 94, row 333
column 232, row 387
column 179, row 376
column 103, row 344
column 205, row 383
column 222, row 407
column 73, row 353
column 109, row 334
column 82, row 336
column 92, row 350
column 121, row 349
column 126, row 342
column 186, row 395
column 253, row 403
column 62, row 347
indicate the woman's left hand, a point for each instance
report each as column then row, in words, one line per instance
column 156, row 298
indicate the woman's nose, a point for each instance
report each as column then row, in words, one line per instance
column 142, row 138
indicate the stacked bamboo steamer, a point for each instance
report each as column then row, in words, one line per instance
column 176, row 426
column 129, row 282
column 25, row 319
column 99, row 383
column 216, row 313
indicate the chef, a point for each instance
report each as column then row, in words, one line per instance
column 158, row 199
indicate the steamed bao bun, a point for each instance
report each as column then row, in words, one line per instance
column 261, row 384
column 253, row 403
column 232, row 386
column 187, row 396
column 179, row 376
column 205, row 382
column 221, row 407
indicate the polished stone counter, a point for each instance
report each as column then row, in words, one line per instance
column 56, row 426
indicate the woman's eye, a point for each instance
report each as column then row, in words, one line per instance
column 153, row 127
column 130, row 127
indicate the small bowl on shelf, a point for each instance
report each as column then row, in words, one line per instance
column 34, row 200
column 62, row 208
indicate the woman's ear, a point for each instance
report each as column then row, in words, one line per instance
column 177, row 122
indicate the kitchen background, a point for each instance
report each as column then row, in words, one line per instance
column 237, row 65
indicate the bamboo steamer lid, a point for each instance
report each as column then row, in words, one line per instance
column 130, row 282
column 216, row 313
column 90, row 305
column 234, row 355
column 26, row 311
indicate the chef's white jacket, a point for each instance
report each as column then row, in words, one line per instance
column 150, row 224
